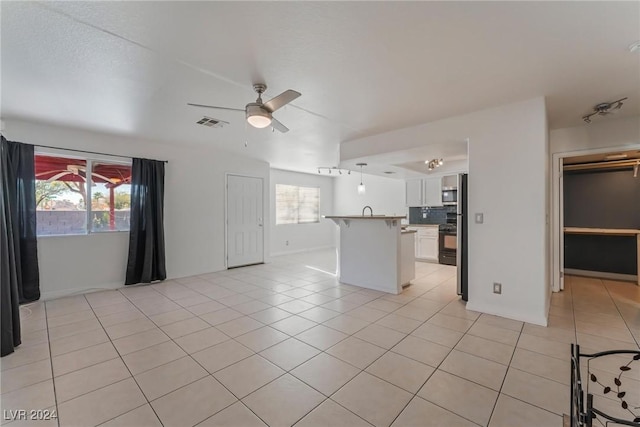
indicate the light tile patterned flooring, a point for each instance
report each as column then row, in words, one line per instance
column 284, row 343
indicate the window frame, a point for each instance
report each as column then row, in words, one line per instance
column 297, row 222
column 89, row 167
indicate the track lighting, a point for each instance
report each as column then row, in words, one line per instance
column 604, row 108
column 434, row 163
column 331, row 169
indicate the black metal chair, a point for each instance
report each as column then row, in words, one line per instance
column 584, row 413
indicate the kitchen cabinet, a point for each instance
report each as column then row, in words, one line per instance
column 424, row 192
column 414, row 193
column 432, row 191
column 426, row 242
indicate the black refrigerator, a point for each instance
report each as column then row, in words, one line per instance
column 462, row 251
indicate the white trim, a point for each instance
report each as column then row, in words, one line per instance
column 299, row 251
column 45, row 296
column 602, row 275
column 508, row 313
column 557, row 221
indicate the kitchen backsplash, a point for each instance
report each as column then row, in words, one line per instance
column 433, row 215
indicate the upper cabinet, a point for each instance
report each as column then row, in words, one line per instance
column 432, row 191
column 414, row 193
column 424, row 192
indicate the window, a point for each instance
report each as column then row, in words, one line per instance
column 70, row 202
column 297, row 205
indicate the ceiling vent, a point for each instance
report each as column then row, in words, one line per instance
column 211, row 122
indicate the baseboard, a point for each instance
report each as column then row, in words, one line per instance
column 299, row 251
column 49, row 295
column 602, row 275
column 536, row 320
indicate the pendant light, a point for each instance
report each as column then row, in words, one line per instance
column 361, row 188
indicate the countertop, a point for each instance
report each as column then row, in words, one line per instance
column 408, row 231
column 364, row 217
column 423, row 225
column 606, row 231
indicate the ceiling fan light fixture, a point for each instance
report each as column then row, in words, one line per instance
column 257, row 117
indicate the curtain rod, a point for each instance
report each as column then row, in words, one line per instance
column 94, row 152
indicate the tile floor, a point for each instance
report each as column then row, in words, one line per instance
column 284, row 344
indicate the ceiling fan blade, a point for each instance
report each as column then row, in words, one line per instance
column 281, row 100
column 217, row 108
column 279, row 126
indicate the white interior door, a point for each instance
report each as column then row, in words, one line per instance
column 245, row 228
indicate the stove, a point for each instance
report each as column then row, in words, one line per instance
column 448, row 243
column 448, row 228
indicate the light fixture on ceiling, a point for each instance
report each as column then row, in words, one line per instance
column 361, row 188
column 604, row 108
column 434, row 163
column 258, row 113
column 257, row 117
column 330, row 169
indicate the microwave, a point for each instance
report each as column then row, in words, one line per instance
column 449, row 196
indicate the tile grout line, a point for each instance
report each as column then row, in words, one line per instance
column 515, row 347
column 318, row 323
column 435, row 370
column 125, row 365
column 53, row 382
column 635, row 339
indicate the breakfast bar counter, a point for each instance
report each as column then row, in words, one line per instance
column 374, row 252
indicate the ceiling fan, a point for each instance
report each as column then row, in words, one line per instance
column 259, row 114
column 604, row 108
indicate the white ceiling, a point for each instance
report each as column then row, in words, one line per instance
column 362, row 67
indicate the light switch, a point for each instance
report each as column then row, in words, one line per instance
column 479, row 218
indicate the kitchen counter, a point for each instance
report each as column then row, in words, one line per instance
column 374, row 252
column 423, row 225
column 630, row 232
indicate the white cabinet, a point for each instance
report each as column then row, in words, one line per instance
column 426, row 243
column 414, row 193
column 432, row 191
column 424, row 192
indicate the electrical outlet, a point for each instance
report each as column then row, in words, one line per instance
column 497, row 288
column 424, row 215
column 479, row 218
column 286, row 243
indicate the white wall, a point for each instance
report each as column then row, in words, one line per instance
column 386, row 196
column 602, row 133
column 302, row 237
column 508, row 183
column 194, row 210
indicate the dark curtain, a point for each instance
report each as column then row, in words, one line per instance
column 146, row 236
column 19, row 272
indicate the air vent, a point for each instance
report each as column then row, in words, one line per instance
column 211, row 122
